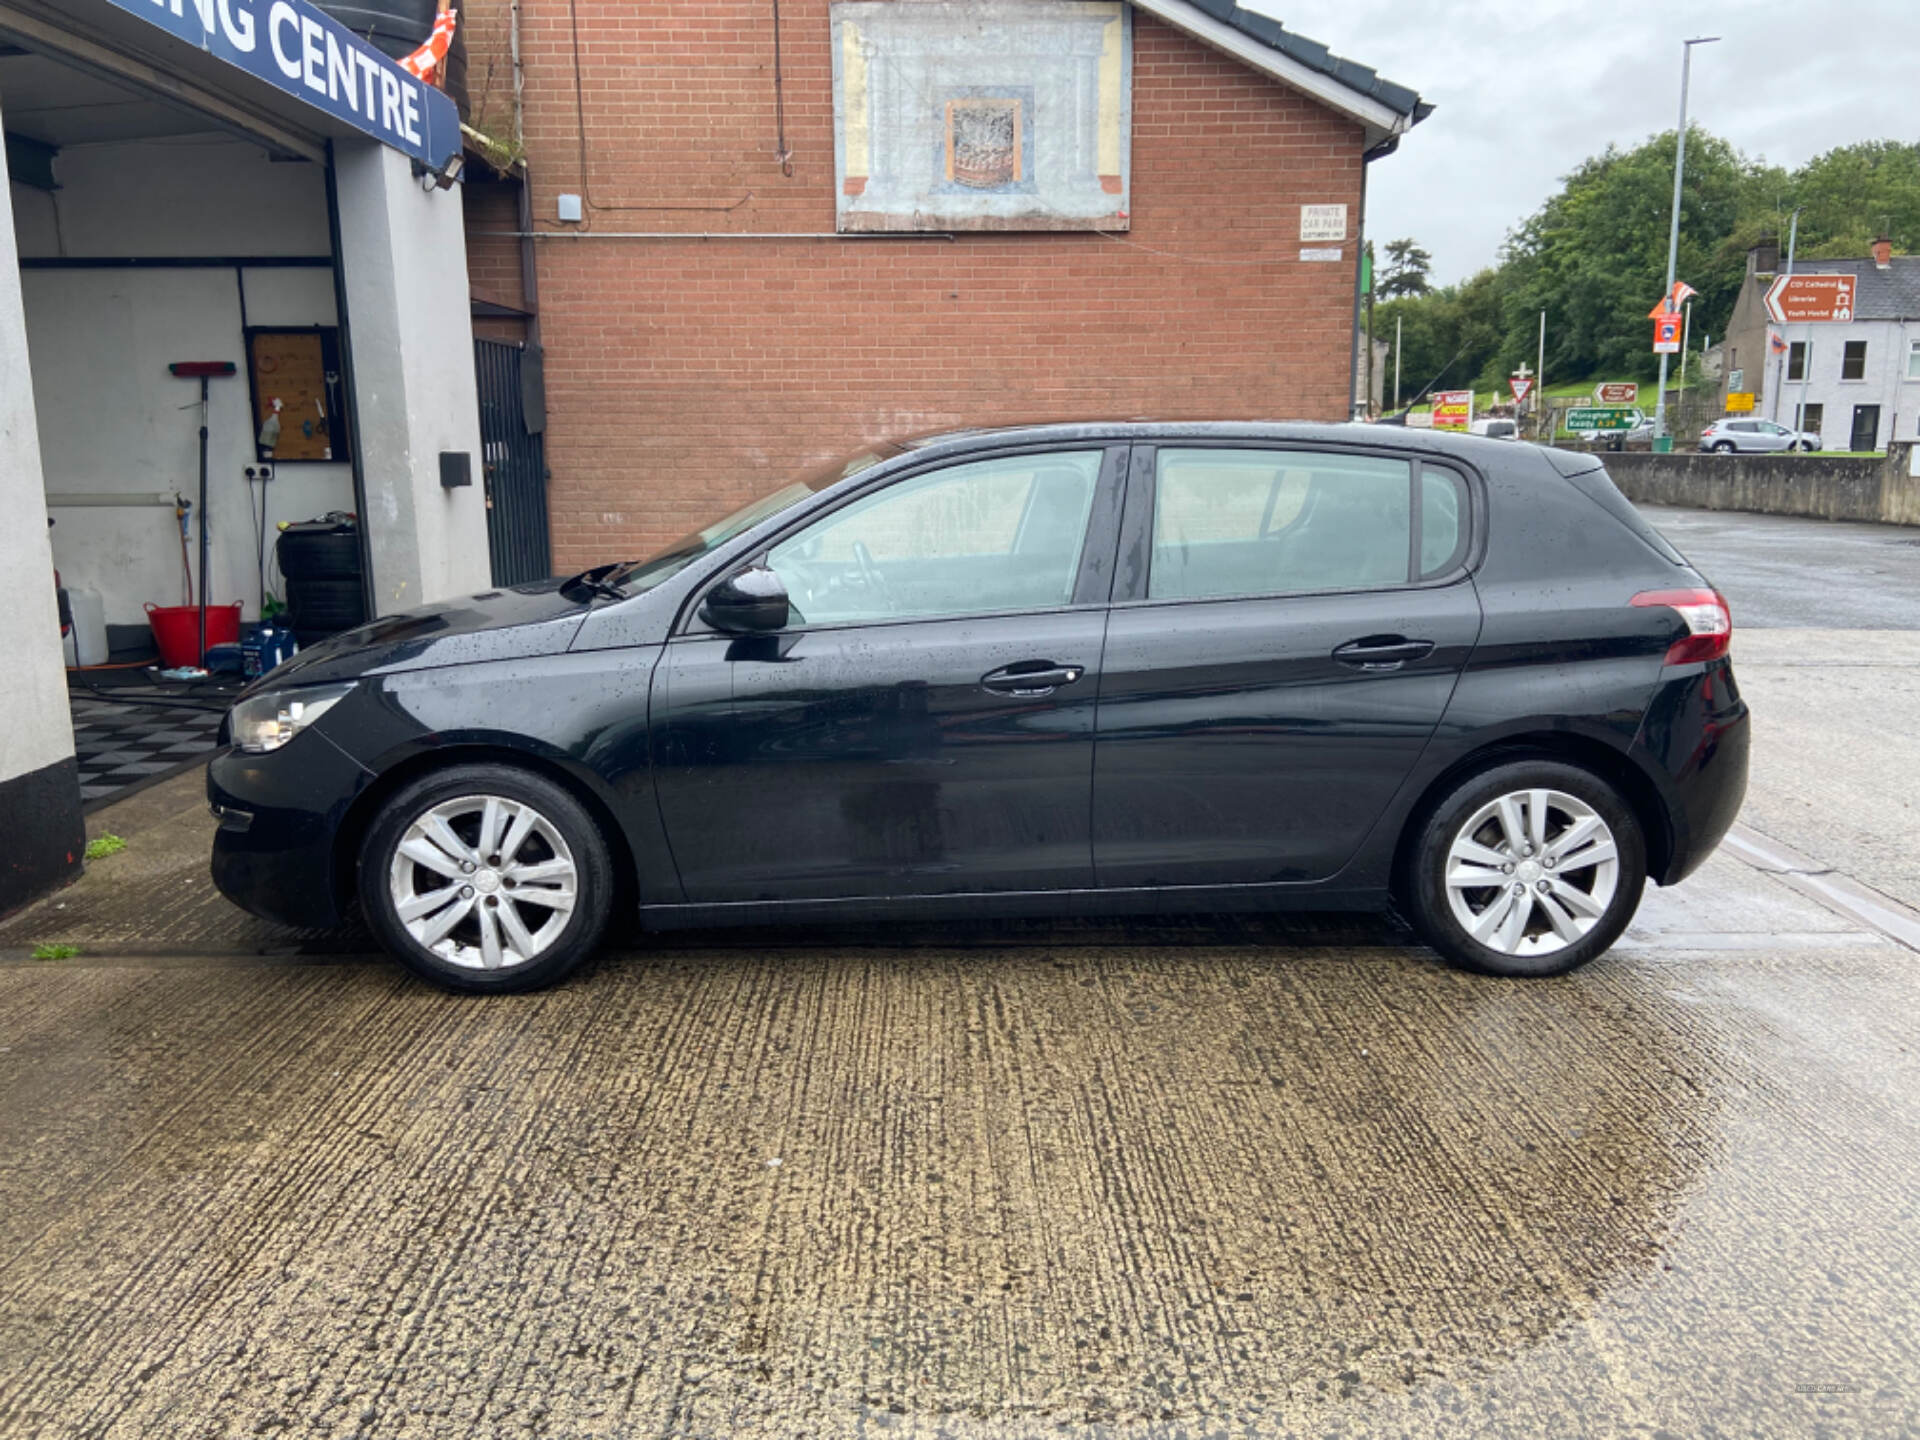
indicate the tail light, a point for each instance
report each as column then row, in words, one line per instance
column 1709, row 623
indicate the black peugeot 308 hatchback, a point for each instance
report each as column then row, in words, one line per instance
column 1103, row 667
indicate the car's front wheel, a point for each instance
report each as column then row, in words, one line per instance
column 1723, row 447
column 486, row 878
column 1532, row 868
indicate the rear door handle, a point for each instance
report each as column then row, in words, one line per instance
column 1382, row 652
column 1031, row 678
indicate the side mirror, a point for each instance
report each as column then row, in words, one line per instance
column 753, row 600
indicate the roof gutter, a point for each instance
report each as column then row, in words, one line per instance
column 1381, row 122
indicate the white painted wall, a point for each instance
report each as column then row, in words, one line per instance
column 404, row 257
column 1885, row 382
column 35, row 730
column 187, row 195
column 111, row 421
column 110, row 415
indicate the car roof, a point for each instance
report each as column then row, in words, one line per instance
column 1294, row 432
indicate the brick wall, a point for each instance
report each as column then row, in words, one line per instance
column 686, row 376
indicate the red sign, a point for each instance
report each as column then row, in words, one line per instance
column 1617, row 392
column 1666, row 334
column 1811, row 299
column 1521, row 387
column 1452, row 409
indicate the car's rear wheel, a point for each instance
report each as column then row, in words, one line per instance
column 1723, row 447
column 1532, row 868
column 486, row 878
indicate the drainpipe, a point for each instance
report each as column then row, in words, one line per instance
column 529, row 271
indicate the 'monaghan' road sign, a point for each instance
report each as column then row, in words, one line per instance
column 1811, row 299
column 1603, row 417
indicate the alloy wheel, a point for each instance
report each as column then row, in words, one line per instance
column 483, row 882
column 1531, row 872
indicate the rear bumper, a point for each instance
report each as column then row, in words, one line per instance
column 273, row 853
column 1695, row 741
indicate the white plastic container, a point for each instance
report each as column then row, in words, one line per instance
column 89, row 626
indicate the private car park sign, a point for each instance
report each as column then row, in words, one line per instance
column 310, row 56
column 1811, row 299
column 1591, row 418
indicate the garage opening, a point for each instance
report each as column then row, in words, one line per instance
column 152, row 236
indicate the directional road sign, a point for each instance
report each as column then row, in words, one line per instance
column 1811, row 299
column 1617, row 392
column 1603, row 417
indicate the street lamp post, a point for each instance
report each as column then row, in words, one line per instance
column 1673, row 232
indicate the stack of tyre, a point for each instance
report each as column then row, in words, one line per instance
column 320, row 560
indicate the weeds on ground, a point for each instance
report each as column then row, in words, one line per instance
column 55, row 952
column 105, row 845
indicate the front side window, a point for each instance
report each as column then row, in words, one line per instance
column 995, row 535
column 1264, row 522
column 1853, row 361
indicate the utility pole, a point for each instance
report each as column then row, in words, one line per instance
column 1686, row 338
column 1673, row 230
column 1773, row 409
column 1540, row 383
column 1398, row 320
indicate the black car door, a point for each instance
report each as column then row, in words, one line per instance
column 1287, row 631
column 924, row 725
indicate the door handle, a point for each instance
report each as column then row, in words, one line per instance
column 1382, row 652
column 1030, row 678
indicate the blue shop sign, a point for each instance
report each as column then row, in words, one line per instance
column 313, row 57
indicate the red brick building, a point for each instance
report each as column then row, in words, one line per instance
column 708, row 328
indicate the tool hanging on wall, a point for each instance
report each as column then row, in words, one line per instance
column 203, row 371
column 183, row 512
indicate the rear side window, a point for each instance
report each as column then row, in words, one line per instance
column 1598, row 487
column 1443, row 521
column 1268, row 522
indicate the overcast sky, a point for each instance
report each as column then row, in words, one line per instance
column 1525, row 92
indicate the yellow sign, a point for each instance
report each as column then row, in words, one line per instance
column 1739, row 400
column 1452, row 409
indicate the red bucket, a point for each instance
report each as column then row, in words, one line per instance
column 176, row 630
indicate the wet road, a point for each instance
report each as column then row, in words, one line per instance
column 1779, row 570
column 1190, row 1179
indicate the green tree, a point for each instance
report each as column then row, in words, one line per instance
column 1406, row 271
column 1855, row 194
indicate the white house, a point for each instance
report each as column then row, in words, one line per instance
column 1858, row 383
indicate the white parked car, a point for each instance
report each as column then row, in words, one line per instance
column 1754, row 437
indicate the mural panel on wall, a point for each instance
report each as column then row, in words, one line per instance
column 982, row 114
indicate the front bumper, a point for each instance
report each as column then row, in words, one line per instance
column 273, row 854
column 1695, row 740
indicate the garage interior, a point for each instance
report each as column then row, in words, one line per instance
column 150, row 234
column 196, row 230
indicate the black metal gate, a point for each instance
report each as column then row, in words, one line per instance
column 514, row 461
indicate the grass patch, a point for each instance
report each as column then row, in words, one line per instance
column 55, row 952
column 104, row 846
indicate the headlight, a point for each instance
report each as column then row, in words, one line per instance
column 266, row 722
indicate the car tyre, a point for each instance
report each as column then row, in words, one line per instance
column 1575, row 907
column 518, row 858
column 1723, row 447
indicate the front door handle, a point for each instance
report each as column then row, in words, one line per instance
column 1030, row 678
column 1382, row 652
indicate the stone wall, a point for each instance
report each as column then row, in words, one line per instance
column 1882, row 489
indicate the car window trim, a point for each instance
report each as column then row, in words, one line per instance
column 1097, row 541
column 1132, row 570
column 1463, row 544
